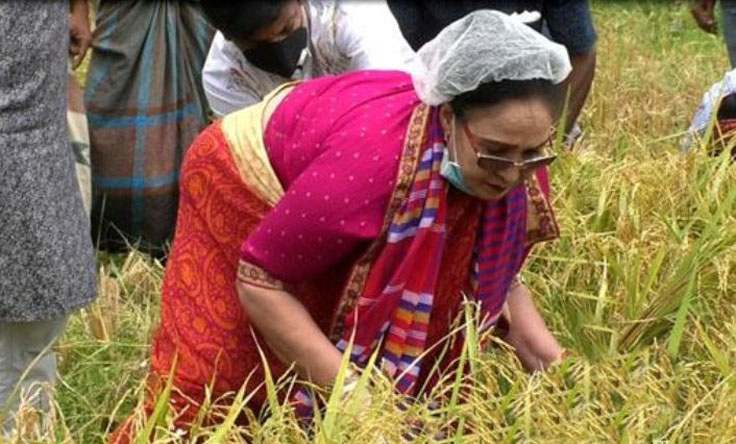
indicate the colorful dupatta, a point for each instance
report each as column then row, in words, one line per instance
column 397, row 280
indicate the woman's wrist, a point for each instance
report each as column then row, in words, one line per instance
column 352, row 376
column 349, row 382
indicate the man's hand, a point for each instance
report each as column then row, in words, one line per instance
column 704, row 13
column 79, row 32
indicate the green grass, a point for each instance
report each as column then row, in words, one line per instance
column 641, row 286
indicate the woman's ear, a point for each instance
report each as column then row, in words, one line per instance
column 446, row 116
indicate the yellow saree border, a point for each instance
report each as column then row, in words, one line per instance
column 244, row 133
column 415, row 136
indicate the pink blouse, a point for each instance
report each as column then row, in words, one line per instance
column 335, row 144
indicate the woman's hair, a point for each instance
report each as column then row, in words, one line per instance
column 495, row 93
column 242, row 19
column 727, row 110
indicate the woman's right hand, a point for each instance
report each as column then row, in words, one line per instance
column 290, row 332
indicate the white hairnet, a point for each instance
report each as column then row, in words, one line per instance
column 486, row 46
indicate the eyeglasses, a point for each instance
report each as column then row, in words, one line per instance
column 493, row 163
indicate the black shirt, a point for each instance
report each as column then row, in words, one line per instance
column 568, row 22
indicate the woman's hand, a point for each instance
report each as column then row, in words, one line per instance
column 291, row 333
column 528, row 334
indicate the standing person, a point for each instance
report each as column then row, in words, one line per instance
column 704, row 13
column 367, row 203
column 145, row 104
column 263, row 44
column 46, row 254
column 567, row 22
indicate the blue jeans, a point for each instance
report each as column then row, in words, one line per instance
column 728, row 8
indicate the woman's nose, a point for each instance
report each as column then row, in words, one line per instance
column 510, row 175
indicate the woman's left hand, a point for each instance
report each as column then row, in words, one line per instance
column 528, row 334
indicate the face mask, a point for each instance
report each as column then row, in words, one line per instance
column 450, row 169
column 280, row 57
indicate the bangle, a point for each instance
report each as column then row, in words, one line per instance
column 350, row 382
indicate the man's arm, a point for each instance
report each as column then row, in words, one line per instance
column 579, row 83
column 570, row 23
column 704, row 13
column 79, row 31
column 358, row 40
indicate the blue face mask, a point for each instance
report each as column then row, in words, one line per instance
column 450, row 169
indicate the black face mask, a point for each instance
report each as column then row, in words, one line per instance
column 279, row 57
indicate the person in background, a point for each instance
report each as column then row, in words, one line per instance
column 263, row 44
column 145, row 104
column 715, row 116
column 46, row 254
column 704, row 13
column 370, row 203
column 568, row 22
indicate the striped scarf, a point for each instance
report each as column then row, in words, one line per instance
column 397, row 310
column 394, row 309
column 396, row 303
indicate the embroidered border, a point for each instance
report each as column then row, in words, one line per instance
column 541, row 223
column 416, row 134
column 253, row 275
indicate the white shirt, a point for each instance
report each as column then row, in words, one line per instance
column 346, row 35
